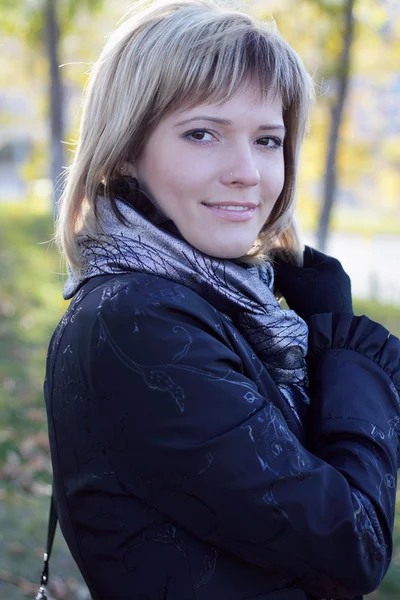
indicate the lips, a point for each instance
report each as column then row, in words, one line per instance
column 249, row 205
column 238, row 213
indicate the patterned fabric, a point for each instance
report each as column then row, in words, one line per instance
column 147, row 243
column 179, row 473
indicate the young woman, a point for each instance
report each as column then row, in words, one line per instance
column 206, row 443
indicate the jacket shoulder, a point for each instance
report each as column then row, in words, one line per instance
column 122, row 301
column 135, row 292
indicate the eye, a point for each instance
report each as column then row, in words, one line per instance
column 271, row 143
column 199, row 136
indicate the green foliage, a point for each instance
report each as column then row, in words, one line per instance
column 388, row 316
column 22, row 18
column 30, row 305
column 332, row 8
column 367, row 169
column 28, row 19
column 71, row 9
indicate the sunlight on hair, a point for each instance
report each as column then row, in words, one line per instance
column 169, row 55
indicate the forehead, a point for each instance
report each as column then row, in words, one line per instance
column 246, row 102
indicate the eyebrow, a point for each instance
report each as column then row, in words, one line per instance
column 228, row 122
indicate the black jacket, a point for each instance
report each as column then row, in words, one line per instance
column 179, row 470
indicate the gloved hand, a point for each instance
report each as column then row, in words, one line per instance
column 320, row 286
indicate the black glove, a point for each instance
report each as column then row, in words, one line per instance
column 320, row 286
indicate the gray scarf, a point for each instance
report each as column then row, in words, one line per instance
column 149, row 243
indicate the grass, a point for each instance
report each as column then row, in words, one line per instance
column 30, row 307
column 388, row 316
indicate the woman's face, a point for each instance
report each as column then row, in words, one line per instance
column 217, row 171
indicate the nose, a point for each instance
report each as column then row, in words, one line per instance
column 242, row 169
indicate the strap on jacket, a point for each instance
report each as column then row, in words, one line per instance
column 51, row 530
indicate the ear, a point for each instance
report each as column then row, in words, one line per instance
column 127, row 169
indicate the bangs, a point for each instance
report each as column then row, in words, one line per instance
column 211, row 66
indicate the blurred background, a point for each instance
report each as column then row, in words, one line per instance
column 348, row 206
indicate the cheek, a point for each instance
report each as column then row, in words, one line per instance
column 184, row 180
column 274, row 179
column 189, row 169
column 174, row 170
column 281, row 178
column 167, row 181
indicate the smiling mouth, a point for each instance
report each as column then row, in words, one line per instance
column 232, row 212
column 239, row 208
column 226, row 206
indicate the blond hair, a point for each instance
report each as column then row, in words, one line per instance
column 163, row 57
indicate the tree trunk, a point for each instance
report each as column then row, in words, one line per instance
column 55, row 101
column 330, row 180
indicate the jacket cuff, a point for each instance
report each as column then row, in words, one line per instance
column 360, row 334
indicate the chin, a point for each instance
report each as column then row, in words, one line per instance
column 226, row 251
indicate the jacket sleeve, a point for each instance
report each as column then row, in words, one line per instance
column 191, row 436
